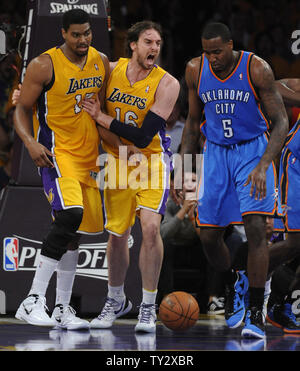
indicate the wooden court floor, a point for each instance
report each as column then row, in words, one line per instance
column 209, row 334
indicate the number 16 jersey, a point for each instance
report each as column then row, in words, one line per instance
column 130, row 104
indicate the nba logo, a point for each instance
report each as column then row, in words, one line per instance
column 10, row 254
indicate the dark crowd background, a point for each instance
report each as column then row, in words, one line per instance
column 262, row 26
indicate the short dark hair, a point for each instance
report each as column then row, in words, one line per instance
column 216, row 29
column 135, row 30
column 75, row 16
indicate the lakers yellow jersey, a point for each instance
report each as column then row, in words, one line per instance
column 130, row 103
column 61, row 125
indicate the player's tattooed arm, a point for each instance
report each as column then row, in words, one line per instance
column 271, row 100
column 263, row 79
column 191, row 133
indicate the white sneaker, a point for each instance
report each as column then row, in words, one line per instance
column 216, row 306
column 110, row 312
column 147, row 318
column 65, row 317
column 33, row 311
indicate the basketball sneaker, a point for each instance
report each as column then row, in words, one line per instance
column 33, row 310
column 235, row 300
column 110, row 312
column 216, row 306
column 65, row 317
column 254, row 324
column 283, row 317
column 265, row 304
column 146, row 318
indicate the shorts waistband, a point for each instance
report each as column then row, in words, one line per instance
column 236, row 145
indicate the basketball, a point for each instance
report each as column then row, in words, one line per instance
column 179, row 311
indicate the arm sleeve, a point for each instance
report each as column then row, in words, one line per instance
column 140, row 137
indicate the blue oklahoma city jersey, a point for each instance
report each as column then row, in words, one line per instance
column 232, row 110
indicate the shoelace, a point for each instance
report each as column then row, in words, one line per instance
column 109, row 304
column 70, row 310
column 145, row 312
column 41, row 301
column 220, row 302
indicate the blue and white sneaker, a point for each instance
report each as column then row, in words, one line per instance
column 254, row 324
column 146, row 318
column 110, row 312
column 235, row 301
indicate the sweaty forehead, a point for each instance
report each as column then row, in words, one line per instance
column 150, row 34
column 213, row 44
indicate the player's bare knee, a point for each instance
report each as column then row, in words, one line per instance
column 211, row 237
column 150, row 231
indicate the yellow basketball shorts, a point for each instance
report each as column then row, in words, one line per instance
column 64, row 193
column 131, row 186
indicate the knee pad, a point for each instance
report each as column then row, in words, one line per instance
column 62, row 232
column 74, row 244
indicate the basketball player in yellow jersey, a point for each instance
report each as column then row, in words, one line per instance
column 65, row 148
column 140, row 97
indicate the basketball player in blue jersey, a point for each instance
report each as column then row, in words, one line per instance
column 281, row 314
column 239, row 180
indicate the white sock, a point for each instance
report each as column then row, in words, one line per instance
column 117, row 293
column 43, row 274
column 66, row 271
column 149, row 297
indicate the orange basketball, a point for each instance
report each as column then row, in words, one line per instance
column 179, row 311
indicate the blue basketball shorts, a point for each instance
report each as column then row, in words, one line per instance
column 222, row 197
column 289, row 177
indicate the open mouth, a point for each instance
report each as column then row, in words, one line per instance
column 150, row 57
